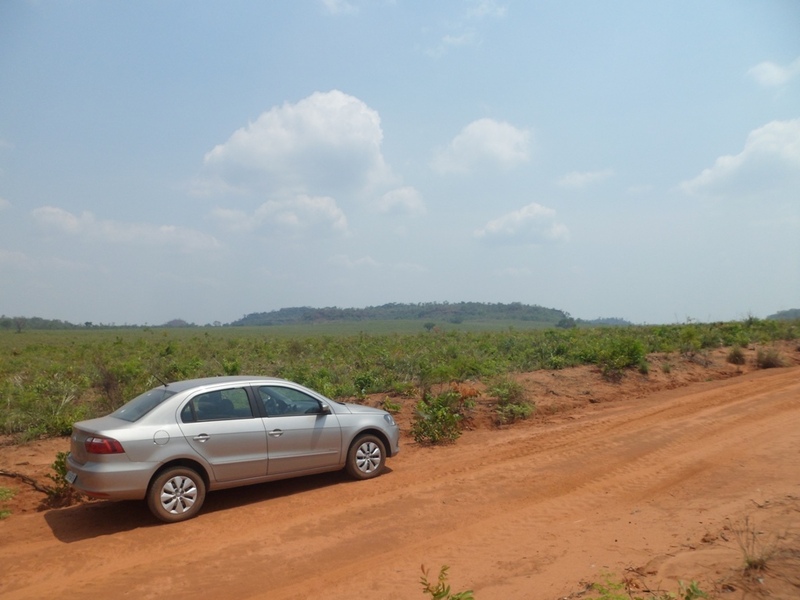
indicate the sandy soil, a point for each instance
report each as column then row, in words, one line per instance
column 659, row 478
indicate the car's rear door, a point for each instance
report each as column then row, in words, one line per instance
column 300, row 436
column 222, row 428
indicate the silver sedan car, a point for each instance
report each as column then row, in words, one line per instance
column 174, row 443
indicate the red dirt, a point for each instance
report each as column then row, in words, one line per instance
column 649, row 481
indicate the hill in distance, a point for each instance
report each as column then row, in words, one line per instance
column 425, row 312
column 434, row 312
column 785, row 315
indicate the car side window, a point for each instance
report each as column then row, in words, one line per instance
column 217, row 406
column 283, row 401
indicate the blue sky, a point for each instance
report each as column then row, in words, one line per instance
column 206, row 160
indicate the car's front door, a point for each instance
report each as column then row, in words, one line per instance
column 300, row 436
column 220, row 427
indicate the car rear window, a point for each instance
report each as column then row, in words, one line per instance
column 141, row 405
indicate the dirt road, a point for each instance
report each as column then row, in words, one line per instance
column 649, row 489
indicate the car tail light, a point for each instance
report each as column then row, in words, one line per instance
column 103, row 445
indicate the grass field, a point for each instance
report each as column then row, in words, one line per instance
column 49, row 379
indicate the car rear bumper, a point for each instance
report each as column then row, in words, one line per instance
column 112, row 480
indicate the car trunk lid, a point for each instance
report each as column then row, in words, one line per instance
column 102, row 427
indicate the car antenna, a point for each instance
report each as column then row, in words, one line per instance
column 161, row 381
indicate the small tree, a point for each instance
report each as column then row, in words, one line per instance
column 567, row 323
column 19, row 323
column 441, row 590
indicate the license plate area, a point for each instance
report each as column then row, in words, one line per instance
column 71, row 477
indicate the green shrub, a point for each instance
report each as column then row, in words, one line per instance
column 437, row 419
column 736, row 356
column 511, row 402
column 507, row 391
column 406, row 389
column 61, row 493
column 231, row 366
column 691, row 591
column 365, row 383
column 769, row 359
column 42, row 405
column 611, row 589
column 118, row 377
column 508, row 413
column 619, row 354
column 690, row 339
column 441, row 591
column 5, row 495
column 392, row 407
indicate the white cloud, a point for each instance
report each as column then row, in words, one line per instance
column 61, row 219
column 770, row 74
column 770, row 160
column 17, row 260
column 644, row 188
column 337, row 7
column 486, row 8
column 516, row 272
column 464, row 32
column 407, row 267
column 466, row 38
column 89, row 227
column 530, row 224
column 484, row 142
column 401, row 200
column 344, row 261
column 367, row 262
column 298, row 214
column 576, row 179
column 14, row 259
column 327, row 143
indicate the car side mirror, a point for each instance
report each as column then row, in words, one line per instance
column 324, row 409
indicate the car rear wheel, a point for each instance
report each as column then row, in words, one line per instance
column 366, row 457
column 176, row 494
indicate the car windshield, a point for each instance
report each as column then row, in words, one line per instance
column 141, row 405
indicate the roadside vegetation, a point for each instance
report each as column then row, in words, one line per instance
column 610, row 589
column 5, row 495
column 52, row 378
column 512, row 404
column 441, row 589
column 438, row 418
column 613, row 589
column 757, row 548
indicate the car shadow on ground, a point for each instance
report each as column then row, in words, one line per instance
column 98, row 518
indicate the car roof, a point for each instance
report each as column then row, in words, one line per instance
column 188, row 384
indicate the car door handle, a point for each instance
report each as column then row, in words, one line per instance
column 276, row 432
column 201, row 438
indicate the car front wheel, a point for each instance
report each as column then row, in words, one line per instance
column 176, row 494
column 366, row 457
